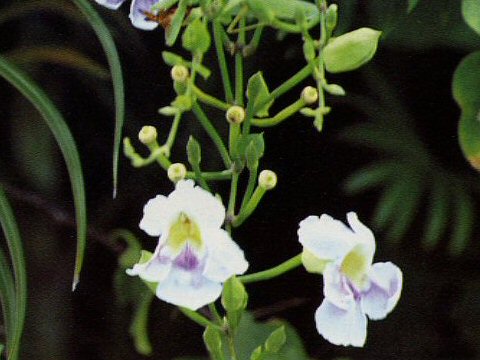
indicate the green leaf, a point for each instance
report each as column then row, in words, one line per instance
column 276, row 340
column 466, row 82
column 250, row 148
column 471, row 14
column 464, row 221
column 172, row 32
column 14, row 242
column 108, row 45
column 412, row 4
column 407, row 207
column 194, row 152
column 437, row 218
column 213, row 342
column 7, row 298
column 130, row 256
column 371, row 176
column 257, row 93
column 64, row 138
column 391, row 198
column 196, row 37
column 139, row 326
column 250, row 334
column 351, row 50
column 234, row 295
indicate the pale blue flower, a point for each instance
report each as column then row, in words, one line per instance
column 353, row 287
column 194, row 256
column 138, row 11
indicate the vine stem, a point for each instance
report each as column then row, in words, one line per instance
column 199, row 319
column 284, row 267
column 222, row 62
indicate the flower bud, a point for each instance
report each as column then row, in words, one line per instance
column 179, row 73
column 331, row 17
column 267, row 179
column 309, row 95
column 351, row 50
column 235, row 114
column 177, row 172
column 147, row 135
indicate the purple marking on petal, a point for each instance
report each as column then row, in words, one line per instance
column 187, row 260
column 137, row 15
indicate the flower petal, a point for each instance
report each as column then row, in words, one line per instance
column 154, row 270
column 111, row 4
column 336, row 288
column 188, row 289
column 363, row 235
column 200, row 205
column 340, row 326
column 384, row 292
column 156, row 216
column 224, row 256
column 137, row 14
column 325, row 237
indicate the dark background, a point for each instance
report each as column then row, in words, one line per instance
column 438, row 315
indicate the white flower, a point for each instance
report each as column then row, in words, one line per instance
column 354, row 289
column 194, row 256
column 139, row 11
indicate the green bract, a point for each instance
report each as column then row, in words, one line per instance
column 466, row 82
column 351, row 50
column 196, row 37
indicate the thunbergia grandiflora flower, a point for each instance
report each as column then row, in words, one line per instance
column 139, row 10
column 353, row 287
column 194, row 256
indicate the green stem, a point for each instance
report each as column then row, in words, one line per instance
column 252, row 180
column 212, row 175
column 293, row 81
column 209, row 99
column 320, row 75
column 199, row 177
column 253, row 44
column 234, row 132
column 222, row 62
column 280, row 116
column 284, row 267
column 239, row 66
column 199, row 319
column 233, row 197
column 231, row 345
column 217, row 140
column 173, row 131
column 156, row 154
column 249, row 207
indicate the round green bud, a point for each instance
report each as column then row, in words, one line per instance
column 309, row 95
column 235, row 114
column 147, row 135
column 179, row 73
column 176, row 172
column 267, row 179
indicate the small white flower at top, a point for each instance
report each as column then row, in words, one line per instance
column 353, row 287
column 194, row 256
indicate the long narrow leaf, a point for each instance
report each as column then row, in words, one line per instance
column 106, row 39
column 371, row 176
column 438, row 213
column 14, row 242
column 65, row 141
column 7, row 297
column 464, row 221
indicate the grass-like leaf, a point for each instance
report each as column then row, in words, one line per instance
column 7, row 296
column 106, row 39
column 370, row 177
column 64, row 138
column 64, row 56
column 16, row 319
column 437, row 218
column 464, row 219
